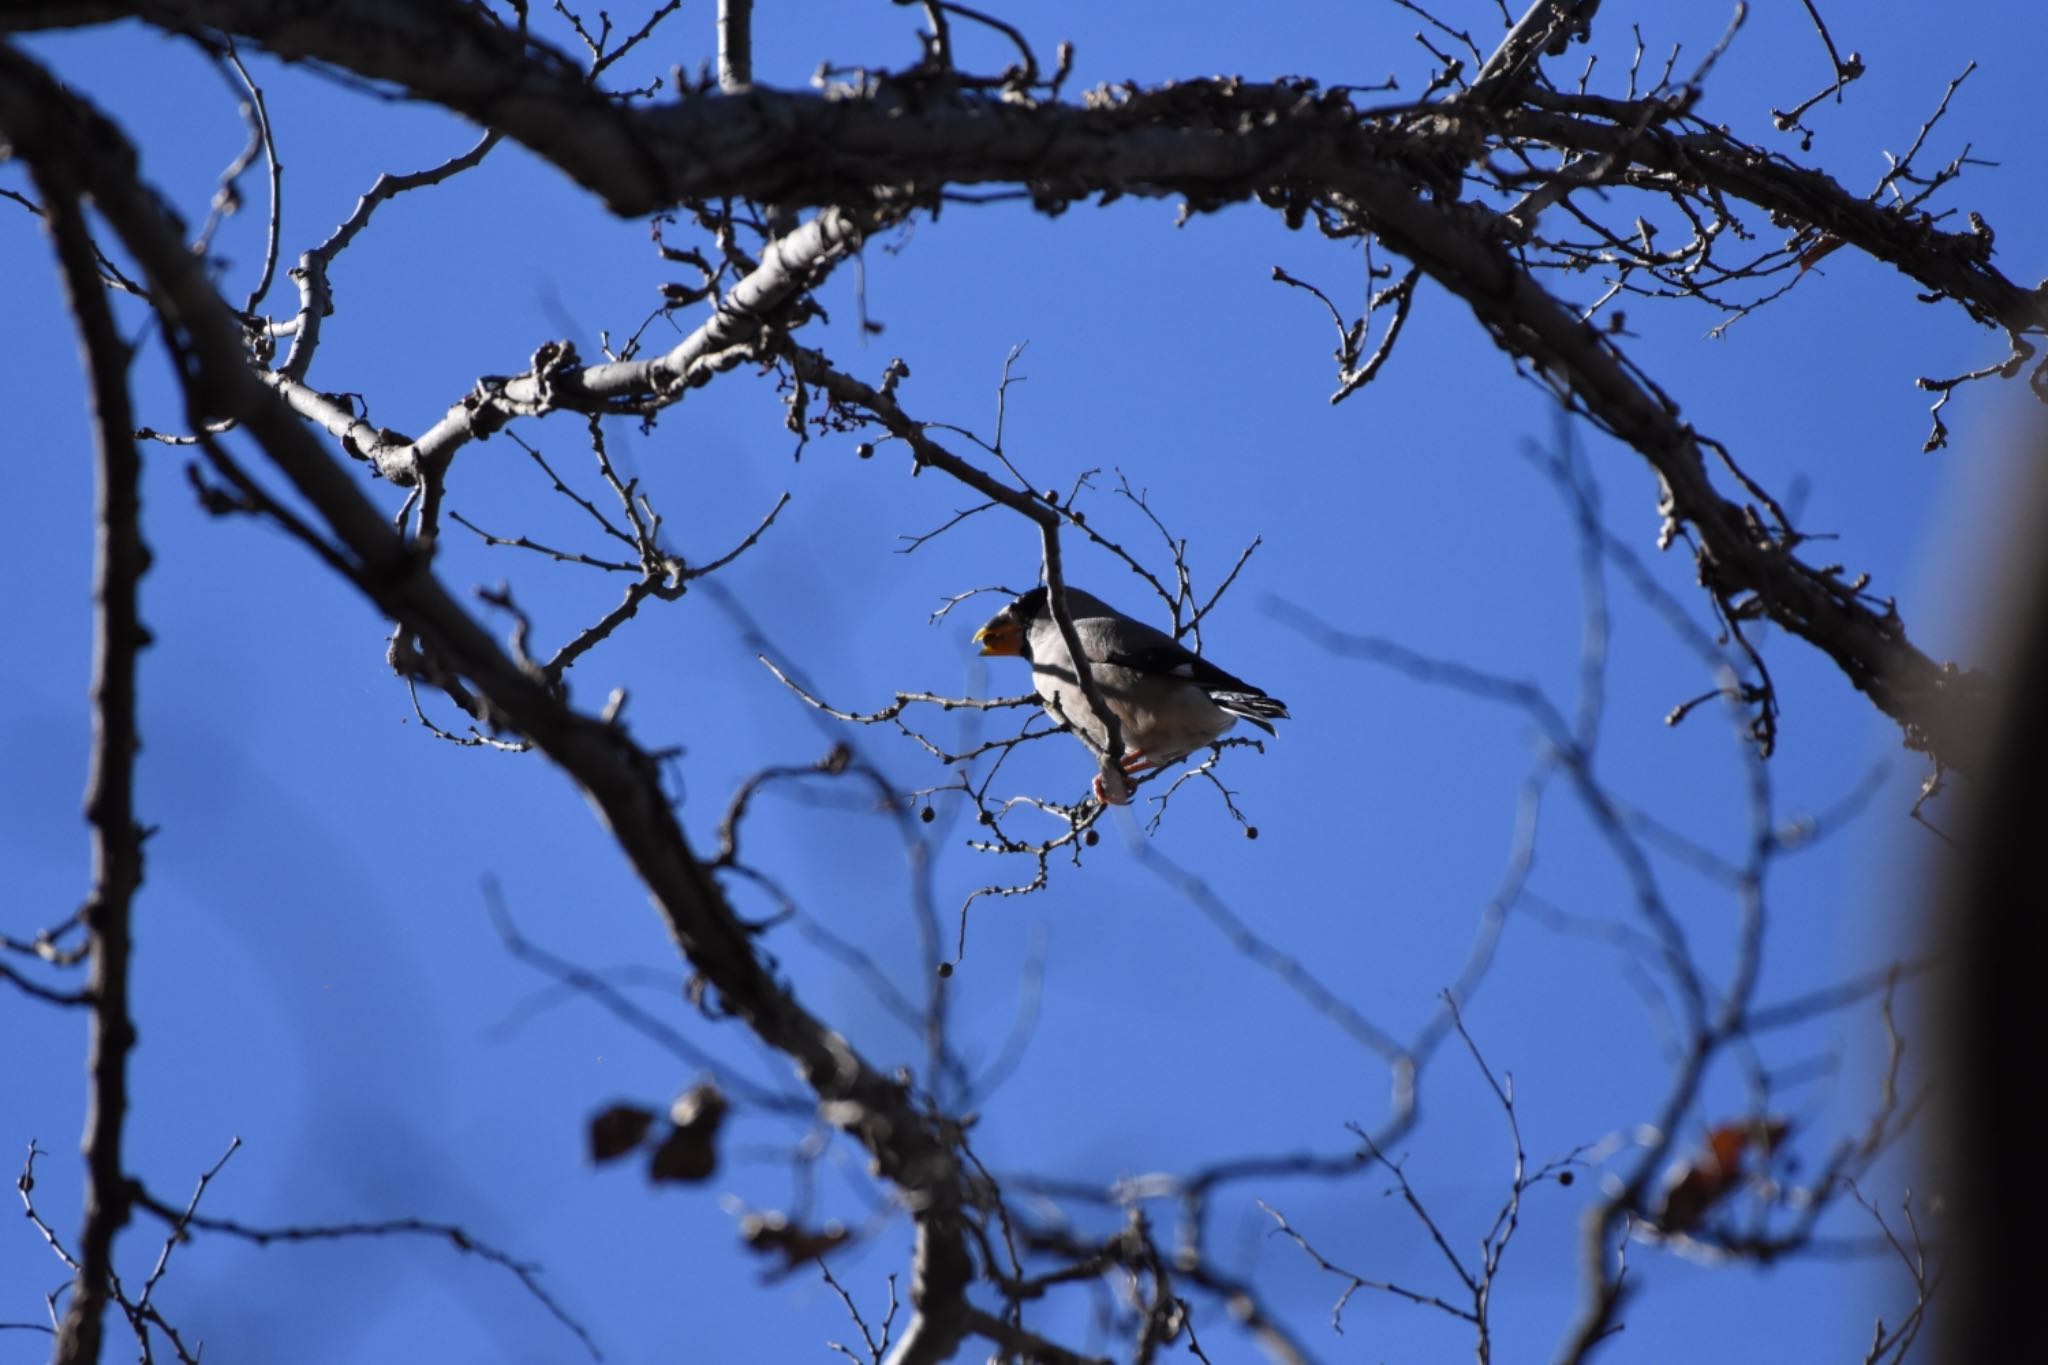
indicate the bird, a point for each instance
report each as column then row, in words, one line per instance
column 1168, row 701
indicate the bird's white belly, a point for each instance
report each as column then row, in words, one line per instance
column 1169, row 726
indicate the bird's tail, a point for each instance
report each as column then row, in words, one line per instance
column 1256, row 707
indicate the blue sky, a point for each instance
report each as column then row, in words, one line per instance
column 316, row 970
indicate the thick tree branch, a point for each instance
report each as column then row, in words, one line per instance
column 1937, row 705
column 1545, row 27
column 1214, row 141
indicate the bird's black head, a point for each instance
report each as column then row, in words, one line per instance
column 1008, row 631
column 1029, row 607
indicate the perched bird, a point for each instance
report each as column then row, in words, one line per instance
column 1167, row 701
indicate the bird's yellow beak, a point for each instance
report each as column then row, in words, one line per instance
column 1001, row 636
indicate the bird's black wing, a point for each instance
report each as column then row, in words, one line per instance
column 1169, row 660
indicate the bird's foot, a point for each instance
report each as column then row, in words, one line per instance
column 1113, row 788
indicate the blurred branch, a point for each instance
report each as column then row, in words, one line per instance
column 592, row 986
column 187, row 1219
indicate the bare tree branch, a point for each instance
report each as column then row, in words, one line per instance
column 47, row 125
column 120, row 559
column 1304, row 152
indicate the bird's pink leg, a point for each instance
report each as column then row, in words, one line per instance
column 1135, row 761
